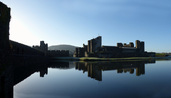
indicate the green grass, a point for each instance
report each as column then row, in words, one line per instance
column 115, row 59
column 161, row 55
column 110, row 59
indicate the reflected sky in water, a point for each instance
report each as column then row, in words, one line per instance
column 73, row 83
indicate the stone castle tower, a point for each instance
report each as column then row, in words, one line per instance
column 94, row 44
column 140, row 46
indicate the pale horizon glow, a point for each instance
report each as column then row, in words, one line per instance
column 21, row 33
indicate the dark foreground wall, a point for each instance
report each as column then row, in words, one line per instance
column 4, row 28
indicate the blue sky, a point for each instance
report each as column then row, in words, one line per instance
column 76, row 21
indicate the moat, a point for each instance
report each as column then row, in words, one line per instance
column 91, row 80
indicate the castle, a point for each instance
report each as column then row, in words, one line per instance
column 95, row 49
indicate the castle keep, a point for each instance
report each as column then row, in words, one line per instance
column 95, row 49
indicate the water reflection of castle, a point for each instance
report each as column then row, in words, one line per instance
column 17, row 71
column 95, row 69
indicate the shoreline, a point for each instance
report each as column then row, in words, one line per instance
column 110, row 59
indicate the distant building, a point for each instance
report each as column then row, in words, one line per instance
column 95, row 49
column 43, row 47
column 51, row 53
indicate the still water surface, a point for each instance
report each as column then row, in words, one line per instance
column 98, row 80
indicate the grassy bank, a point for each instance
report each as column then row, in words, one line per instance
column 161, row 54
column 110, row 59
column 116, row 59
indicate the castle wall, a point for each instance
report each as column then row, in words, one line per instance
column 79, row 52
column 126, row 50
column 58, row 53
column 21, row 49
column 109, row 51
column 129, row 50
